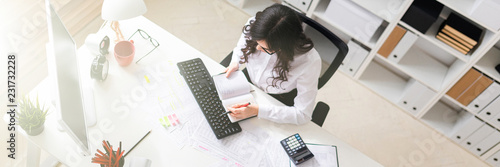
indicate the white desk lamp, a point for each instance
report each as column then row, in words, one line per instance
column 116, row 10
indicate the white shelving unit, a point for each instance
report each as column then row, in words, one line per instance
column 252, row 6
column 463, row 7
column 384, row 81
column 443, row 116
column 487, row 63
column 428, row 61
column 319, row 15
column 421, row 63
column 385, row 9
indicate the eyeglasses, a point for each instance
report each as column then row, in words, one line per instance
column 266, row 50
column 146, row 36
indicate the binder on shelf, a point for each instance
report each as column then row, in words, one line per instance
column 486, row 144
column 422, row 14
column 474, row 90
column 301, row 5
column 490, row 111
column 464, row 127
column 415, row 96
column 392, row 41
column 496, row 119
column 354, row 58
column 488, row 95
column 406, row 42
column 467, row 80
column 424, row 99
column 410, row 94
column 494, row 160
column 476, row 137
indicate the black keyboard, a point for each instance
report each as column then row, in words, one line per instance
column 203, row 88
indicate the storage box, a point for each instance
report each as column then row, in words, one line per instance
column 403, row 46
column 469, row 87
column 422, row 14
column 354, row 58
column 301, row 5
column 350, row 17
column 415, row 97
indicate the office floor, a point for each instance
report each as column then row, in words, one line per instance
column 358, row 116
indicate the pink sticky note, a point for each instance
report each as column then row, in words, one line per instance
column 171, row 120
column 175, row 118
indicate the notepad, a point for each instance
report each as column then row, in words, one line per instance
column 324, row 156
column 233, row 90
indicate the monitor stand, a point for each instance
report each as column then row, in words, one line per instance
column 89, row 106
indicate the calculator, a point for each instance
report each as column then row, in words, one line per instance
column 296, row 149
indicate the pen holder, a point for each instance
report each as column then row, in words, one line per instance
column 121, row 162
column 109, row 157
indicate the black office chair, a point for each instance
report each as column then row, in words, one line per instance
column 332, row 51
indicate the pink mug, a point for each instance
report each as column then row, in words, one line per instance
column 124, row 52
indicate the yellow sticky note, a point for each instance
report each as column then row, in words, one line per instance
column 162, row 121
column 147, row 79
column 166, row 121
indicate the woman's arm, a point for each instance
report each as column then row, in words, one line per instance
column 237, row 53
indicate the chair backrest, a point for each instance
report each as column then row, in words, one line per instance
column 330, row 47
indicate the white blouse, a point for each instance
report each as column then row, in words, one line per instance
column 303, row 74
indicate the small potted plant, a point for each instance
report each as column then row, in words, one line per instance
column 31, row 117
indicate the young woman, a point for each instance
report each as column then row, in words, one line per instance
column 282, row 62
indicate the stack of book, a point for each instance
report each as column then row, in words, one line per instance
column 459, row 34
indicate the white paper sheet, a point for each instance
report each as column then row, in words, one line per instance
column 275, row 155
column 242, row 149
column 324, row 156
column 166, row 95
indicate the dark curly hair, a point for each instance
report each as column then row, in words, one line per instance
column 281, row 28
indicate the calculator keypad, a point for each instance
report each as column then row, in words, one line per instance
column 293, row 144
column 296, row 149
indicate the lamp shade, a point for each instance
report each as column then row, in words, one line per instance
column 115, row 10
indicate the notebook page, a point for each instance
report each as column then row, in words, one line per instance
column 235, row 85
column 237, row 100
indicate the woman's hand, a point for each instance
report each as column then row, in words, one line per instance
column 231, row 68
column 239, row 112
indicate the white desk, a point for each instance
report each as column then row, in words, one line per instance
column 119, row 120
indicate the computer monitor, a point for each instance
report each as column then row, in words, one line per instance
column 63, row 72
